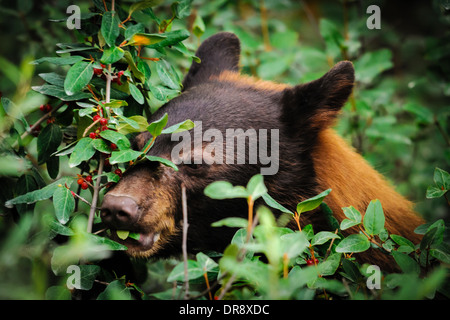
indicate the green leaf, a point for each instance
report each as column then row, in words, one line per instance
column 64, row 204
column 406, row 263
column 232, row 222
column 312, row 203
column 118, row 138
column 141, row 5
column 133, row 29
column 122, row 234
column 101, row 145
column 442, row 179
column 346, row 224
column 116, row 104
column 134, row 235
column 441, row 255
column 155, row 128
column 165, row 162
column 351, row 271
column 38, row 195
column 48, row 142
column 128, row 127
column 401, row 241
column 329, row 266
column 83, row 151
column 179, row 127
column 88, row 274
column 353, row 214
column 225, row 190
column 58, row 92
column 322, row 237
column 374, row 218
column 354, row 218
column 198, row 28
column 434, row 192
column 78, row 76
column 293, row 244
column 181, row 9
column 256, row 187
column 116, row 290
column 124, row 156
column 434, row 235
column 353, row 243
column 59, row 60
column 371, row 64
column 194, row 271
column 271, row 202
column 168, row 78
column 53, row 167
column 102, row 241
column 136, row 93
column 136, row 72
column 146, row 39
column 112, row 54
column 110, row 27
column 172, row 38
column 423, row 114
column 53, row 78
column 206, row 263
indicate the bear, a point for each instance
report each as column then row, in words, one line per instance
column 311, row 158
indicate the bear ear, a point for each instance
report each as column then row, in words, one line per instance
column 218, row 53
column 311, row 107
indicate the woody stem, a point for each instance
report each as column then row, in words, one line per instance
column 250, row 216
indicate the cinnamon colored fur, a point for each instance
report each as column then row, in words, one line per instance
column 354, row 183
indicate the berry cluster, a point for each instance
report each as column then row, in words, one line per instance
column 311, row 262
column 103, row 126
column 116, row 79
column 46, row 108
column 84, row 182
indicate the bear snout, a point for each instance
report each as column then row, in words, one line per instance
column 120, row 211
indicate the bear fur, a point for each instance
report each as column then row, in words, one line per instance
column 312, row 158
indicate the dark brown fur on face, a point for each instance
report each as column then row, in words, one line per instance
column 312, row 157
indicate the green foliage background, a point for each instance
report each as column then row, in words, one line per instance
column 397, row 117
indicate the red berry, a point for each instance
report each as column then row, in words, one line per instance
column 96, row 117
column 42, row 107
column 92, row 135
column 80, row 181
column 118, row 172
column 103, row 121
column 103, row 66
column 98, row 71
column 113, row 146
column 310, row 262
column 48, row 108
column 89, row 179
column 104, row 128
column 51, row 120
column 36, row 130
column 119, row 74
column 84, row 185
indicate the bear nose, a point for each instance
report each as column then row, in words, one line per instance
column 119, row 211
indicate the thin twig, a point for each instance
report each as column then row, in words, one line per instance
column 90, row 126
column 37, row 123
column 184, row 245
column 95, row 195
column 240, row 257
column 329, row 248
